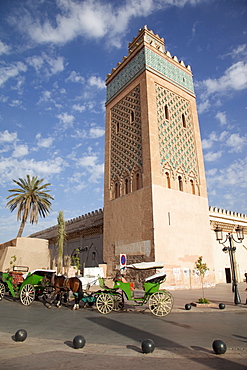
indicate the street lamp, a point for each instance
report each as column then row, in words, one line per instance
column 231, row 249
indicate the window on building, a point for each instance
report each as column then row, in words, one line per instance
column 117, row 128
column 132, row 116
column 183, row 120
column 168, row 180
column 116, row 190
column 137, row 181
column 166, row 112
column 180, row 183
column 192, row 187
column 126, row 186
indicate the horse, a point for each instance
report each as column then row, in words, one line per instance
column 62, row 285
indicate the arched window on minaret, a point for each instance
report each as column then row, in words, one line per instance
column 193, row 191
column 168, row 180
column 180, row 183
column 136, row 180
column 116, row 190
column 126, row 185
column 166, row 112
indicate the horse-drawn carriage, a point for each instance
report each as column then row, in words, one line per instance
column 25, row 285
column 160, row 301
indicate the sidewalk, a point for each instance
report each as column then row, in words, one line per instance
column 221, row 293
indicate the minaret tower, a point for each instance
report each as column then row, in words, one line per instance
column 155, row 197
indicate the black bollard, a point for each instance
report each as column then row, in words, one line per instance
column 219, row 347
column 20, row 335
column 187, row 306
column 148, row 346
column 79, row 342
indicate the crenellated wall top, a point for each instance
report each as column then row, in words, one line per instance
column 227, row 213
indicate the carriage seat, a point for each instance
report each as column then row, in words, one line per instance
column 106, row 283
column 17, row 277
column 156, row 278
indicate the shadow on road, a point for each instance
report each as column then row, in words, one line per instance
column 139, row 335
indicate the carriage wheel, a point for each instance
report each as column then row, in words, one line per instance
column 27, row 294
column 2, row 291
column 104, row 303
column 118, row 302
column 160, row 303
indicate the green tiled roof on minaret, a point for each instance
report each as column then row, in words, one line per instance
column 141, row 57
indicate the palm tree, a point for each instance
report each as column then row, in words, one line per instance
column 31, row 200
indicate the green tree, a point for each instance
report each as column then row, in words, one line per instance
column 31, row 200
column 202, row 268
column 60, row 240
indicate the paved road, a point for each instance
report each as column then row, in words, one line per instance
column 183, row 339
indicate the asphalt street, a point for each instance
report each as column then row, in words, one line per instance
column 183, row 339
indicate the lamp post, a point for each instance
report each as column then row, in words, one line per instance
column 231, row 249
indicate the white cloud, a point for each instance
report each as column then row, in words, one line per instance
column 75, row 77
column 214, row 137
column 236, row 143
column 239, row 51
column 221, row 116
column 90, row 19
column 96, row 132
column 50, row 65
column 56, row 65
column 212, row 172
column 11, row 71
column 90, row 164
column 234, row 78
column 7, row 137
column 46, row 96
column 36, row 62
column 88, row 161
column 203, row 107
column 234, row 175
column 66, row 120
column 15, row 103
column 20, row 151
column 96, row 81
column 12, row 168
column 212, row 156
column 4, row 49
column 44, row 142
column 79, row 108
column 207, row 143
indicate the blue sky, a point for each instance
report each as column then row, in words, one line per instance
column 55, row 55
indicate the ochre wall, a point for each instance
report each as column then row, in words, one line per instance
column 33, row 253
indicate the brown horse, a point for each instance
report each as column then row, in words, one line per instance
column 62, row 285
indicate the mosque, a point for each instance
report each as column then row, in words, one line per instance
column 155, row 196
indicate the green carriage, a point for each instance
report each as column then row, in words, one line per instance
column 25, row 285
column 160, row 301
